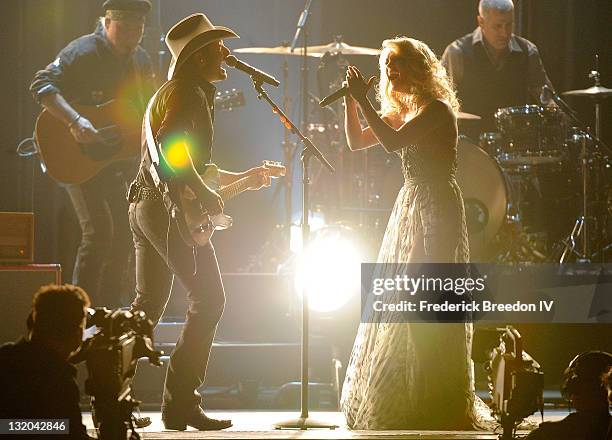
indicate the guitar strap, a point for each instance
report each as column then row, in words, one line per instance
column 155, row 164
column 151, row 144
column 161, row 185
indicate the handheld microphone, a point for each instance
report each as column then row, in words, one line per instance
column 255, row 73
column 342, row 91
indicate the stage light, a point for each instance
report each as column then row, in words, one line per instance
column 329, row 270
column 316, row 222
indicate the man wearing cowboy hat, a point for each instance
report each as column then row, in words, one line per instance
column 180, row 123
column 94, row 69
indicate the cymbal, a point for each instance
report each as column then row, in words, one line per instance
column 592, row 92
column 312, row 51
column 344, row 49
column 467, row 116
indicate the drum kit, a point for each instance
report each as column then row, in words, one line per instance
column 539, row 189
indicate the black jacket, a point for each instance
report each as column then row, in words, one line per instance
column 182, row 110
column 36, row 383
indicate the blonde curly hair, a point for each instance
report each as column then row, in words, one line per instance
column 425, row 70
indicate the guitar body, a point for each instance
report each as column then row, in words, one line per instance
column 195, row 226
column 68, row 161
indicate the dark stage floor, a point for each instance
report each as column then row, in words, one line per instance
column 259, row 425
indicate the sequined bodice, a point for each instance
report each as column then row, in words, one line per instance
column 428, row 162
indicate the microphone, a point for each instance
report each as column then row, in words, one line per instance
column 545, row 95
column 255, row 73
column 548, row 94
column 342, row 91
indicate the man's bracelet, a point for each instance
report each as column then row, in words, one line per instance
column 74, row 121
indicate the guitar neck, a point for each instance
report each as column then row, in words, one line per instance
column 235, row 188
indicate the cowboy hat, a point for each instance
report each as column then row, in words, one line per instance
column 191, row 34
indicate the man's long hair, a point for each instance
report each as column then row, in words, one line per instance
column 425, row 70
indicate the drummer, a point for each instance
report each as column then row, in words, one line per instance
column 493, row 68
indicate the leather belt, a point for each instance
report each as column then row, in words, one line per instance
column 139, row 191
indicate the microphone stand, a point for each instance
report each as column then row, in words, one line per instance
column 300, row 26
column 301, row 30
column 304, row 421
column 288, row 149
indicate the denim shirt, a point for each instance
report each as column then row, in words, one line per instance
column 89, row 72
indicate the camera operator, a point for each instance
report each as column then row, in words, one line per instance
column 36, row 379
column 587, row 386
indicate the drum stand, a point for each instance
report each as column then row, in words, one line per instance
column 581, row 228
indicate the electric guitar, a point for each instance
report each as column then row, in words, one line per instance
column 195, row 226
column 119, row 125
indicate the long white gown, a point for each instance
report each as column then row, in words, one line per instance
column 417, row 376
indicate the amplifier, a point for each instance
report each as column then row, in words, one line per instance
column 19, row 283
column 16, row 237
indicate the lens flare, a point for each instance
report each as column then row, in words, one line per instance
column 177, row 154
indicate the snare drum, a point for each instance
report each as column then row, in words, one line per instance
column 531, row 135
column 486, row 195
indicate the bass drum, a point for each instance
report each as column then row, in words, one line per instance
column 486, row 196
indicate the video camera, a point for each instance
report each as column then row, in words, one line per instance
column 111, row 354
column 515, row 379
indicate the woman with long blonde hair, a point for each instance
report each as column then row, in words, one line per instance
column 405, row 375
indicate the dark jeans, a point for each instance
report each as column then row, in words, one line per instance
column 161, row 255
column 103, row 254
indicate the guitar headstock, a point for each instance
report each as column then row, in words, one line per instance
column 229, row 100
column 276, row 169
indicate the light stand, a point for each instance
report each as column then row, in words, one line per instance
column 303, row 421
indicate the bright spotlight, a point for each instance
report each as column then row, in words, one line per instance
column 329, row 270
column 316, row 222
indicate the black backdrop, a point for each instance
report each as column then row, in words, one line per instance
column 568, row 33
